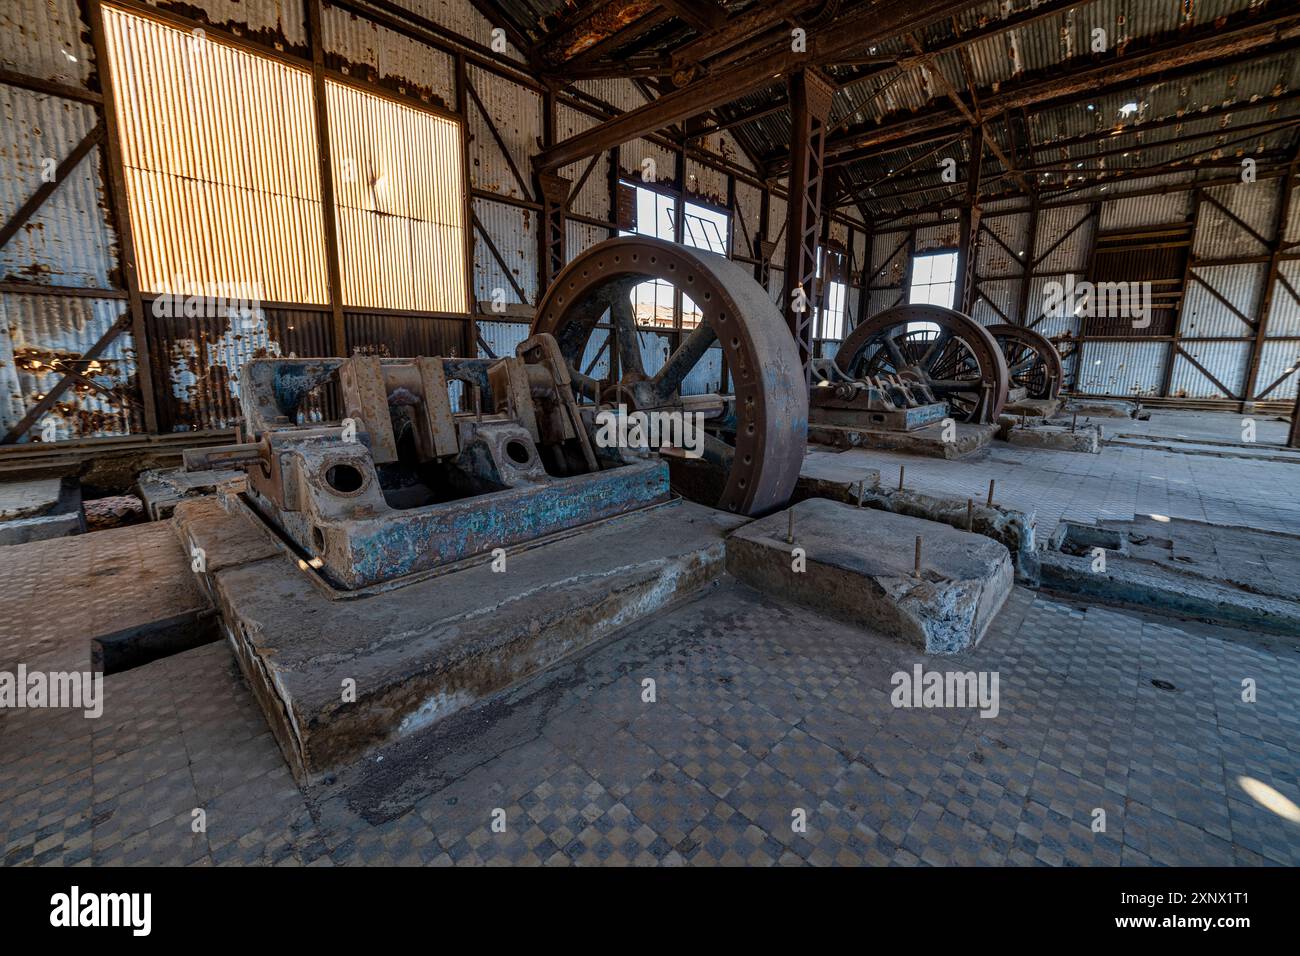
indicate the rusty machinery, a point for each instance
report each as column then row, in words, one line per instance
column 913, row 365
column 1032, row 360
column 429, row 461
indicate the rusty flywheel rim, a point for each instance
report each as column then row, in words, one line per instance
column 961, row 363
column 1032, row 360
column 771, row 395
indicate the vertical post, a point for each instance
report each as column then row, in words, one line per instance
column 333, row 269
column 762, row 247
column 115, row 186
column 554, row 193
column 970, row 225
column 1276, row 247
column 1293, row 436
column 1166, row 379
column 471, row 338
column 810, row 106
column 864, row 291
column 1021, row 315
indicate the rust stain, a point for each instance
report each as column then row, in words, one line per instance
column 604, row 24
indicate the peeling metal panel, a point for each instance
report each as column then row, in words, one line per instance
column 632, row 157
column 888, row 258
column 1072, row 254
column 1203, row 313
column 40, row 337
column 272, row 20
column 353, row 44
column 502, row 337
column 1135, row 211
column 68, row 241
column 516, row 112
column 592, row 200
column 1277, row 359
column 749, row 201
column 463, row 18
column 1218, row 237
column 581, row 236
column 1226, row 361
column 944, row 236
column 514, row 233
column 595, row 360
column 991, row 259
column 706, row 376
column 1122, row 368
column 46, row 39
column 704, row 182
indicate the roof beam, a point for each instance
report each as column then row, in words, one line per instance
column 884, row 19
column 1164, row 60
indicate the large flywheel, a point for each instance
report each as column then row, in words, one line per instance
column 951, row 353
column 1032, row 359
column 758, row 450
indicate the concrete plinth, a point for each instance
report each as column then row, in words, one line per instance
column 1100, row 408
column 831, row 475
column 857, row 565
column 39, row 509
column 1033, row 407
column 337, row 677
column 928, row 441
column 1083, row 438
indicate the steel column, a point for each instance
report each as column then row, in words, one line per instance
column 810, row 106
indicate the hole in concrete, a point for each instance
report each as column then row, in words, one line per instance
column 345, row 479
column 1080, row 539
column 318, row 540
column 518, row 452
column 1162, row 684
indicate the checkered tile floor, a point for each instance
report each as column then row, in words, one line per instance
column 770, row 740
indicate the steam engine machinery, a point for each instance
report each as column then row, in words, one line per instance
column 374, row 469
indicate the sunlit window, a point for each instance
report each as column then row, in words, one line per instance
column 934, row 282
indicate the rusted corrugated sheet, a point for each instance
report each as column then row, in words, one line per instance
column 746, row 220
column 581, row 236
column 46, row 39
column 888, row 258
column 1278, row 359
column 1203, row 312
column 994, row 260
column 1122, row 368
column 1255, row 204
column 1137, row 211
column 68, row 241
column 1284, row 316
column 1226, row 361
column 1064, row 323
column 776, row 228
column 269, row 21
column 705, row 182
column 358, row 46
column 464, row 19
column 212, row 198
column 400, row 197
column 501, row 337
column 1001, row 293
column 405, row 336
column 1072, row 253
column 197, row 359
column 514, row 233
column 41, row 337
column 516, row 114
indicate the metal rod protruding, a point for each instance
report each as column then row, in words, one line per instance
column 901, row 470
column 992, row 482
column 916, row 568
